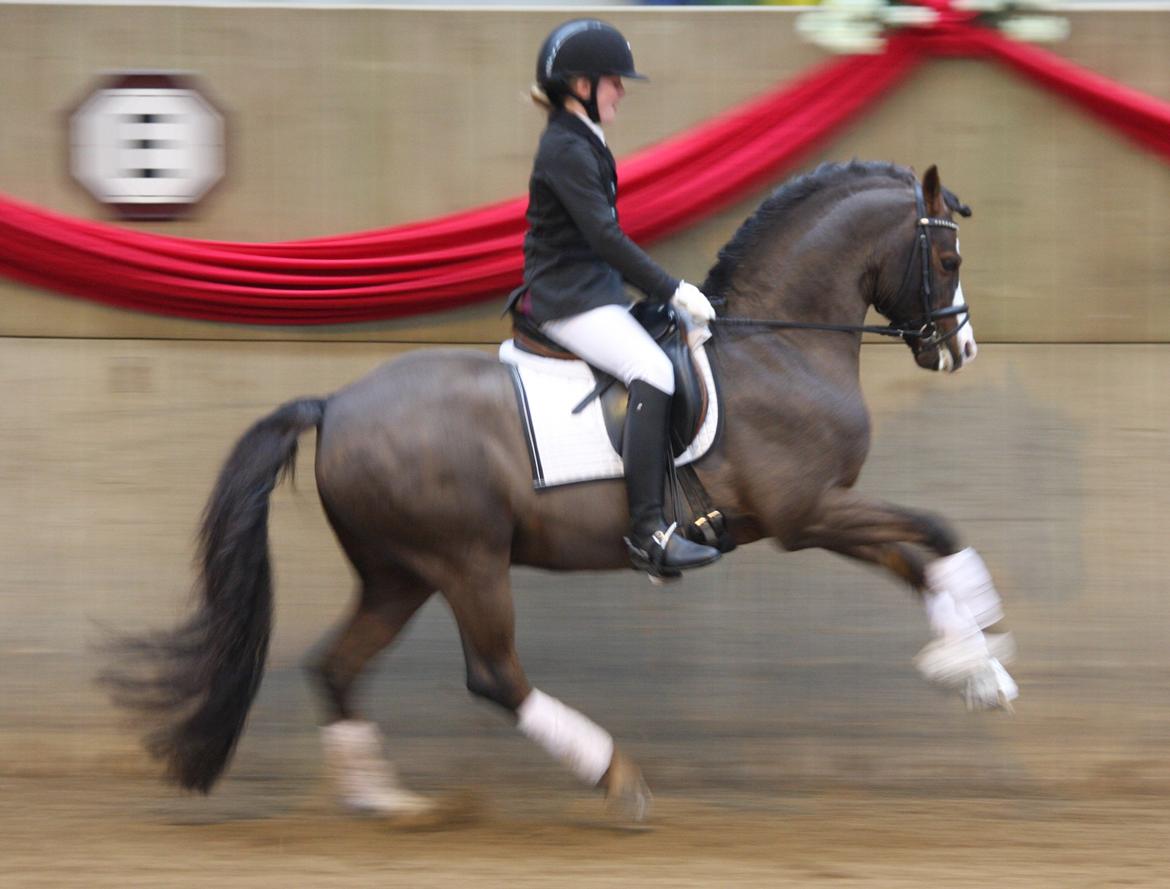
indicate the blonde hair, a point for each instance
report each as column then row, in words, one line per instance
column 540, row 97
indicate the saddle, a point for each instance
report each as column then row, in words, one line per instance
column 661, row 321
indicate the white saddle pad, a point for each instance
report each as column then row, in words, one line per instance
column 565, row 447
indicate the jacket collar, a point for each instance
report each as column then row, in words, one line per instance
column 594, row 128
column 567, row 119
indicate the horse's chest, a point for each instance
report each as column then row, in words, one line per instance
column 847, row 422
column 839, row 437
column 821, row 433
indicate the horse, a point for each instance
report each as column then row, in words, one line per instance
column 422, row 473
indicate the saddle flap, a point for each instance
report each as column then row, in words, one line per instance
column 567, row 446
column 689, row 405
column 661, row 321
column 688, row 408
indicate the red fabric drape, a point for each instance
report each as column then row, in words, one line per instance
column 1142, row 118
column 476, row 255
column 436, row 264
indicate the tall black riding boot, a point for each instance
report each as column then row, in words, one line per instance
column 654, row 546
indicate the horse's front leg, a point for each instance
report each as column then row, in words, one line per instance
column 971, row 642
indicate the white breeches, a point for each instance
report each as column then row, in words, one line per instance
column 611, row 340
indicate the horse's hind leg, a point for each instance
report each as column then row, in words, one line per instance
column 962, row 604
column 356, row 767
column 483, row 610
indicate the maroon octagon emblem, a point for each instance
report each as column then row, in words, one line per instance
column 148, row 144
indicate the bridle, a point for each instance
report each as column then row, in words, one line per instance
column 927, row 332
column 922, row 332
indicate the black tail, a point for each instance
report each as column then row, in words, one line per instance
column 201, row 678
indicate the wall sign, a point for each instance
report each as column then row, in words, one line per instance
column 148, row 144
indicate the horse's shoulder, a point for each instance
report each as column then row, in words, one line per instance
column 814, row 410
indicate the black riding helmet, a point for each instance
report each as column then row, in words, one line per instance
column 583, row 48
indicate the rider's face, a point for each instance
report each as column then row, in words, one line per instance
column 609, row 92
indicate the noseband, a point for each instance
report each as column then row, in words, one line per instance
column 922, row 330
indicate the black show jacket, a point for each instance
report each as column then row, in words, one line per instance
column 575, row 253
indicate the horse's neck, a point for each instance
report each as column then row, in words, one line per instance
column 812, row 293
column 818, row 271
column 762, row 367
column 808, row 293
column 816, row 274
column 791, row 397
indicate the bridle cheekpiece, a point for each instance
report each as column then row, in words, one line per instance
column 923, row 329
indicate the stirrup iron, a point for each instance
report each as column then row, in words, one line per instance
column 644, row 560
column 657, row 560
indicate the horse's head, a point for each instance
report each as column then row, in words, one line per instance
column 929, row 301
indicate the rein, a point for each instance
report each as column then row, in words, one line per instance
column 811, row 325
column 923, row 329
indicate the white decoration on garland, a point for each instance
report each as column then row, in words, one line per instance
column 860, row 27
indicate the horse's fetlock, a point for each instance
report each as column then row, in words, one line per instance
column 938, row 535
column 493, row 686
column 332, row 684
column 318, row 673
column 483, row 685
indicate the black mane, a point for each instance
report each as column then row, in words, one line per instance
column 780, row 204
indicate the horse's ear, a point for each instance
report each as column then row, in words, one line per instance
column 932, row 192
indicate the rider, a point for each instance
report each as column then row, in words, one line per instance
column 576, row 257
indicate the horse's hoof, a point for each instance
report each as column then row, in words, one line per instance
column 428, row 814
column 971, row 664
column 951, row 661
column 1001, row 646
column 991, row 688
column 627, row 796
column 387, row 804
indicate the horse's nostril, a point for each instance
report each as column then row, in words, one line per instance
column 969, row 350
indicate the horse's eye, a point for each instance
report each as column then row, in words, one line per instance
column 951, row 262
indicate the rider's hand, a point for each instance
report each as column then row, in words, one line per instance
column 691, row 300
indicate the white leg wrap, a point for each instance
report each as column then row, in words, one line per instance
column 991, row 688
column 947, row 617
column 960, row 602
column 574, row 739
column 951, row 660
column 966, row 578
column 361, row 776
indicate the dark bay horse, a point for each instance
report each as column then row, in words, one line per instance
column 422, row 471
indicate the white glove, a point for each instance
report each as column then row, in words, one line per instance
column 691, row 300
